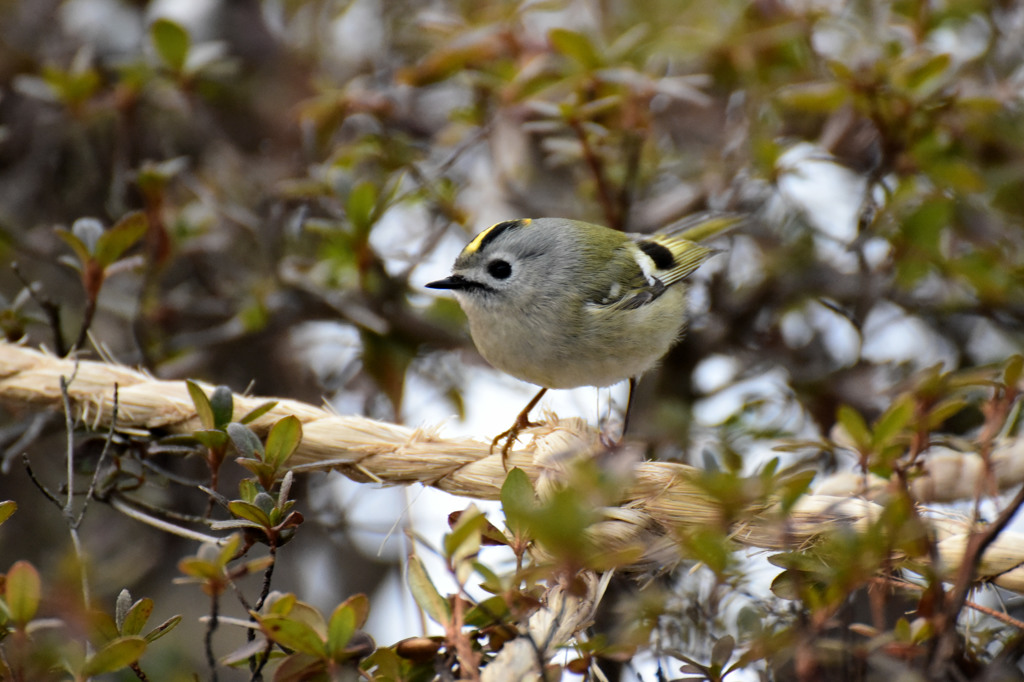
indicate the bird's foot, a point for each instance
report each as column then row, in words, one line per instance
column 510, row 437
column 609, row 443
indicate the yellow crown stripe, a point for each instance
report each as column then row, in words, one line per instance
column 493, row 231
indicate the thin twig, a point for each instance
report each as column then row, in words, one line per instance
column 69, row 425
column 39, row 484
column 50, row 309
column 977, row 543
column 988, row 611
column 256, row 666
column 68, row 511
column 211, row 626
column 138, row 671
column 605, row 195
column 99, row 464
column 163, row 512
column 87, row 315
column 122, row 506
column 170, row 475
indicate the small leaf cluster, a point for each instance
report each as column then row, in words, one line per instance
column 317, row 648
column 264, row 510
column 210, row 569
column 33, row 647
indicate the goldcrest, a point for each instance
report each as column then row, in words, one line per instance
column 562, row 303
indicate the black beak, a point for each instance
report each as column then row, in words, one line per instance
column 453, row 282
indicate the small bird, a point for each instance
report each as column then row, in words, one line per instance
column 563, row 303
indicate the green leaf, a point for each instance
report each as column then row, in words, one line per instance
column 721, row 652
column 340, row 629
column 1011, row 377
column 490, row 611
column 562, row 522
column 104, row 629
column 467, row 529
column 360, row 605
column 245, row 441
column 923, row 630
column 258, row 412
column 7, row 508
column 137, row 617
column 198, row 568
column 925, row 225
column 816, row 97
column 76, row 244
column 265, row 501
column 250, row 512
column 162, row 629
column 282, row 440
column 902, row 631
column 518, row 500
column 301, row 611
column 72, row 658
column 122, row 236
column 575, row 46
column 792, row 488
column 425, row 594
column 227, row 550
column 892, row 422
column 235, row 525
column 247, row 489
column 214, row 439
column 463, row 543
column 299, row 667
column 114, row 656
column 362, row 201
column 492, row 581
column 955, row 174
column 281, row 604
column 786, row 585
column 386, row 664
column 223, row 406
column 923, row 77
column 172, row 43
column 711, row 547
column 945, row 409
column 22, row 592
column 293, row 634
column 202, row 404
column 262, row 471
column 121, row 606
column 855, row 426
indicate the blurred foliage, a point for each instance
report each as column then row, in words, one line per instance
column 248, row 169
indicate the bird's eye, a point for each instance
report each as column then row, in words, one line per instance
column 499, row 269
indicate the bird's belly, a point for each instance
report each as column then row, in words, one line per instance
column 554, row 356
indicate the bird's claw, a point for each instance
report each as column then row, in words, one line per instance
column 510, row 436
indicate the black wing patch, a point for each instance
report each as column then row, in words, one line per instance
column 660, row 254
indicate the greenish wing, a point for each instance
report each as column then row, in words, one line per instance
column 627, row 287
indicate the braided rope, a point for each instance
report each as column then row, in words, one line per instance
column 659, row 504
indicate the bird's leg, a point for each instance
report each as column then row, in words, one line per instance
column 605, row 439
column 629, row 408
column 522, row 422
